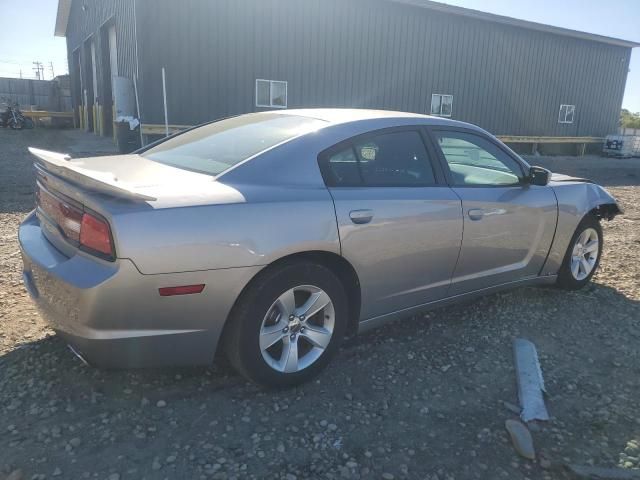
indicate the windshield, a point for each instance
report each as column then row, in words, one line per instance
column 216, row 147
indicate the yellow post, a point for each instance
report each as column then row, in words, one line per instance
column 100, row 120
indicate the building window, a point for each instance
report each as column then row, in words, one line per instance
column 271, row 94
column 566, row 113
column 441, row 105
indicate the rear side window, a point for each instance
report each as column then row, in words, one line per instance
column 391, row 159
column 214, row 148
column 344, row 168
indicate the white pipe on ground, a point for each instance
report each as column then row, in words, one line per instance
column 135, row 91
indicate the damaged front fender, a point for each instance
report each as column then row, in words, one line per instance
column 576, row 199
column 603, row 204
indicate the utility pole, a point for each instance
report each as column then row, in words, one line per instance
column 39, row 69
column 53, row 75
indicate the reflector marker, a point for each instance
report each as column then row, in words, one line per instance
column 182, row 290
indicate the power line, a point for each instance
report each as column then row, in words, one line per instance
column 11, row 69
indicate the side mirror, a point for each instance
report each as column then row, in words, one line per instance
column 539, row 176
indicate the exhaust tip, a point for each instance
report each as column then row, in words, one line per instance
column 78, row 354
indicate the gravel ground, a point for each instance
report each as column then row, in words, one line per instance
column 423, row 398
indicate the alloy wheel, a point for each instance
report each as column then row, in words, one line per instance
column 584, row 254
column 297, row 329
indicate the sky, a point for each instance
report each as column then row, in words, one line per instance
column 26, row 35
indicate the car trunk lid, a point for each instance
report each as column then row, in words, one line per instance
column 133, row 178
column 80, row 202
column 94, row 174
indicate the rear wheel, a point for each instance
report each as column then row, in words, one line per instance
column 583, row 255
column 15, row 123
column 287, row 325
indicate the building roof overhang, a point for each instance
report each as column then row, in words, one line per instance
column 64, row 8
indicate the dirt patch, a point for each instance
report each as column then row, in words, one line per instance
column 421, row 398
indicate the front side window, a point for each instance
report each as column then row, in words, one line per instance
column 218, row 146
column 441, row 105
column 271, row 94
column 383, row 160
column 475, row 161
column 566, row 114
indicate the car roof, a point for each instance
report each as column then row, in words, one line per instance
column 347, row 115
column 341, row 124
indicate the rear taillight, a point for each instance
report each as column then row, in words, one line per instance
column 90, row 232
column 63, row 214
column 95, row 234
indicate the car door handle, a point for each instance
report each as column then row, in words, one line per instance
column 361, row 216
column 476, row 214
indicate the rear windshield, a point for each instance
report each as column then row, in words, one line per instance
column 216, row 147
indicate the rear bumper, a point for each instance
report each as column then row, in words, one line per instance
column 113, row 315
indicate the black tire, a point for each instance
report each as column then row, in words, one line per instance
column 242, row 342
column 16, row 124
column 566, row 278
column 28, row 123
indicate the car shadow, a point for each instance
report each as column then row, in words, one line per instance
column 451, row 366
column 543, row 299
column 54, row 355
column 431, row 327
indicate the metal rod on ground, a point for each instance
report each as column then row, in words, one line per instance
column 164, row 94
column 135, row 91
column 530, row 381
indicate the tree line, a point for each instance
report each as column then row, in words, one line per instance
column 629, row 119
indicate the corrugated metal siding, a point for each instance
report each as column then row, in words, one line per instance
column 86, row 22
column 43, row 94
column 374, row 54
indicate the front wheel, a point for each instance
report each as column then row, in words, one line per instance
column 583, row 255
column 287, row 325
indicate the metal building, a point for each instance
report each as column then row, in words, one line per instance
column 225, row 57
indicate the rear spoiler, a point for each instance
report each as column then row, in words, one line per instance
column 59, row 164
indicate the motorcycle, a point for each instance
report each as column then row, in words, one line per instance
column 13, row 118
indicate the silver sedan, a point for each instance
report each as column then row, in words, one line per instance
column 274, row 235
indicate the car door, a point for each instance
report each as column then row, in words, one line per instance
column 509, row 224
column 400, row 225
